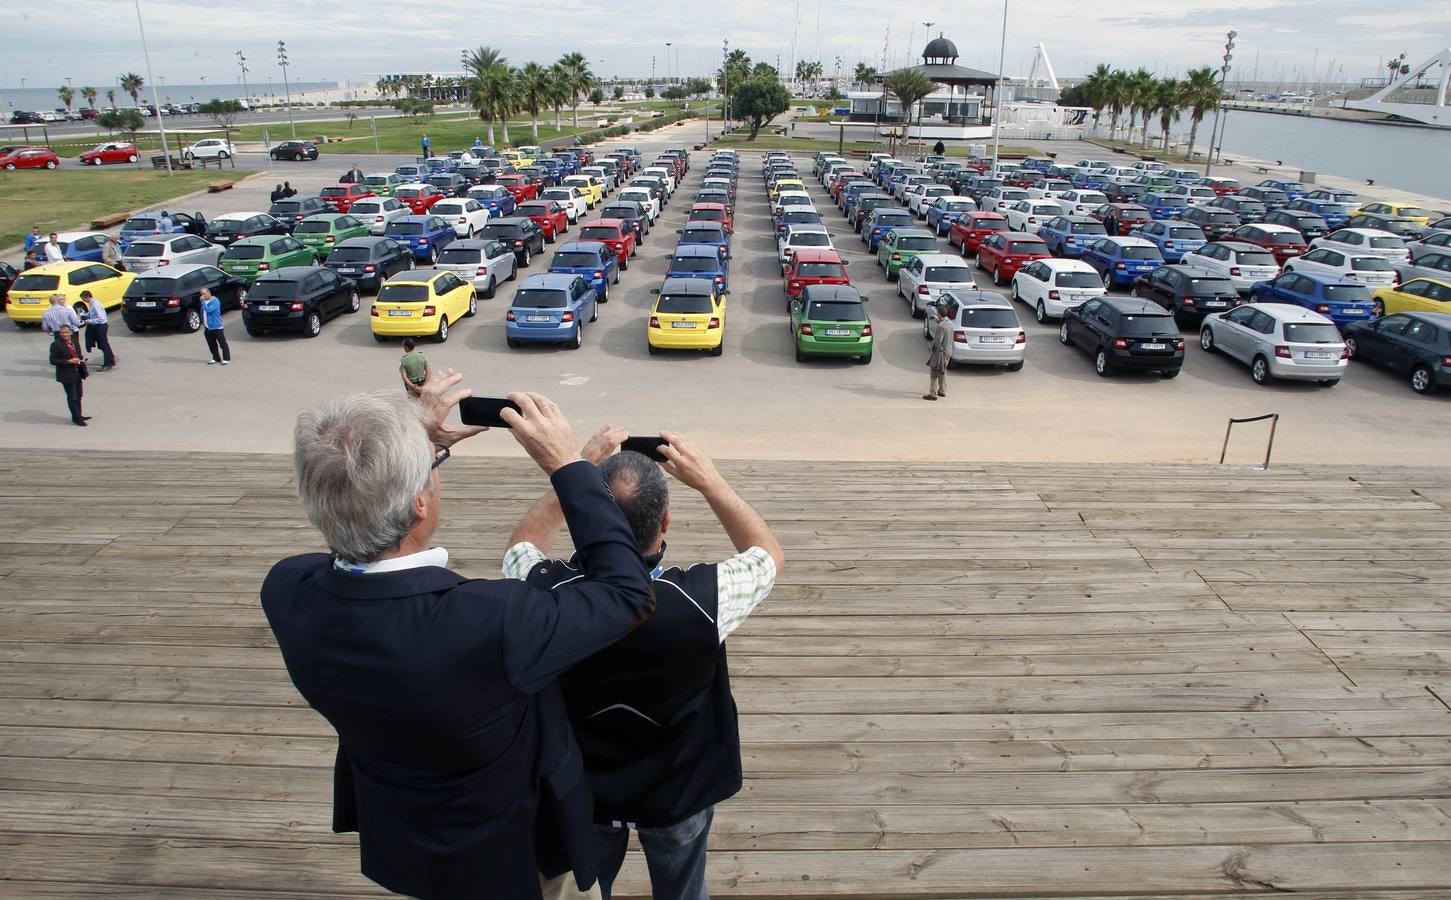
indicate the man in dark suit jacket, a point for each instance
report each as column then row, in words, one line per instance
column 456, row 763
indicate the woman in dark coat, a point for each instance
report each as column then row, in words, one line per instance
column 70, row 370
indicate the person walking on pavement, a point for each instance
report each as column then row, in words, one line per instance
column 426, row 151
column 413, row 367
column 98, row 330
column 352, row 176
column 215, row 334
column 54, row 252
column 59, row 314
column 288, row 190
column 937, row 358
column 70, row 370
column 939, row 148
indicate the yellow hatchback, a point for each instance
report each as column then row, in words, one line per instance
column 1418, row 214
column 688, row 314
column 786, row 184
column 421, row 303
column 1416, row 295
column 30, row 293
column 593, row 193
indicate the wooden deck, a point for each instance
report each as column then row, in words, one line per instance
column 970, row 681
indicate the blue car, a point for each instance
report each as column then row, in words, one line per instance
column 699, row 261
column 1164, row 206
column 425, row 236
column 1119, row 260
column 149, row 225
column 1340, row 299
column 596, row 263
column 882, row 220
column 1294, row 189
column 1089, row 181
column 550, row 309
column 441, row 164
column 1173, row 237
column 412, row 172
column 1334, row 214
column 495, row 198
column 852, row 191
column 707, row 234
column 568, row 164
column 1067, row 236
column 946, row 210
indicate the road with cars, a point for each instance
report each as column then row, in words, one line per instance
column 754, row 400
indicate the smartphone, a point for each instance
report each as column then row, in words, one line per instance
column 646, row 445
column 485, row 411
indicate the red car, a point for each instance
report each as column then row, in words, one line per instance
column 615, row 233
column 28, row 158
column 682, row 156
column 1128, row 215
column 969, row 230
column 810, row 266
column 111, row 152
column 712, row 212
column 675, row 162
column 1005, row 252
column 550, row 215
column 418, row 197
column 1222, row 187
column 839, row 182
column 342, row 196
column 583, row 154
column 519, row 185
column 1283, row 241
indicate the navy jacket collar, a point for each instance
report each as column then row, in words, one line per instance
column 386, row 585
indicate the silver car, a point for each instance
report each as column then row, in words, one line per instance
column 378, row 212
column 155, row 252
column 796, row 237
column 484, row 263
column 985, row 330
column 1428, row 265
column 1278, row 340
column 929, row 274
column 1433, row 242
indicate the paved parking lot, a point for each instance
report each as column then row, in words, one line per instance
column 755, row 401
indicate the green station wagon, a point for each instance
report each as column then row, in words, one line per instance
column 321, row 232
column 253, row 257
column 900, row 245
column 831, row 320
column 383, row 183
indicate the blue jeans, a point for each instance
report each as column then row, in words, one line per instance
column 675, row 856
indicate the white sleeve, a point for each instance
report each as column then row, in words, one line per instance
column 520, row 558
column 742, row 582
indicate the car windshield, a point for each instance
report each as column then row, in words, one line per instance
column 693, row 264
column 1311, row 333
column 575, row 259
column 1037, row 247
column 952, row 274
column 820, row 270
column 916, row 243
column 1370, row 264
column 1172, row 201
column 1147, row 326
column 145, row 249
column 139, row 224
column 1387, row 243
column 314, row 227
column 836, row 311
column 1347, row 293
column 351, row 254
column 1255, row 258
column 894, row 218
column 143, row 287
column 501, row 230
column 36, row 283
column 396, row 229
column 598, row 233
column 403, row 293
column 540, row 298
column 1209, row 286
column 810, row 239
column 333, row 192
column 684, row 303
column 699, row 236
column 286, row 206
column 1135, row 252
column 1089, row 228
column 1077, row 279
column 1186, row 232
column 1284, row 237
column 272, row 290
column 988, row 317
column 245, row 251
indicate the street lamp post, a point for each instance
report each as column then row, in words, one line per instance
column 1218, row 106
column 287, row 89
column 998, row 89
column 725, row 74
column 242, row 61
column 155, row 100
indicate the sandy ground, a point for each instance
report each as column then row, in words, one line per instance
column 752, row 402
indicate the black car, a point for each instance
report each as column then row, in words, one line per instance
column 540, row 176
column 1308, row 224
column 1217, row 224
column 1187, row 291
column 655, row 186
column 714, row 195
column 451, row 183
column 1125, row 333
column 978, row 185
column 522, row 234
column 632, row 213
column 477, row 174
column 1403, row 228
column 171, row 297
column 294, row 209
column 1417, row 344
column 298, row 298
column 864, row 204
column 225, row 230
column 1272, row 198
column 23, row 117
column 295, row 150
column 1248, row 209
column 8, row 274
column 369, row 261
column 1123, row 193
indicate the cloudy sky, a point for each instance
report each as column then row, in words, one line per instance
column 91, row 42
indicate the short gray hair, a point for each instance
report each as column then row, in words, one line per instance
column 640, row 491
column 360, row 461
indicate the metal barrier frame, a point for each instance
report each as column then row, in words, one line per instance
column 1269, row 447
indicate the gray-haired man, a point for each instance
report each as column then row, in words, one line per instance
column 940, row 328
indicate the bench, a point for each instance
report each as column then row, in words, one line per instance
column 104, row 222
column 203, row 163
column 159, row 162
column 217, row 187
column 1263, row 170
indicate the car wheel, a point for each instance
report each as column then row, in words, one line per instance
column 1041, row 313
column 490, row 289
column 864, row 360
column 654, row 350
column 254, row 332
column 50, row 164
column 1351, row 346
column 511, row 342
column 473, row 305
column 355, row 301
column 1259, row 370
column 800, row 357
column 442, row 334
column 548, row 238
column 1107, row 282
column 1063, row 337
column 314, row 324
column 224, row 155
column 1329, row 382
column 1102, row 364
column 133, row 327
column 10, row 167
column 1206, row 340
column 1171, row 373
column 191, row 321
column 1014, row 367
column 594, row 314
column 380, row 339
column 624, row 265
column 97, row 161
column 528, row 255
column 432, row 255
column 998, row 275
column 977, row 261
column 1421, row 380
column 514, row 271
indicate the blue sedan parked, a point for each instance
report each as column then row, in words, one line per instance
column 1120, row 260
column 882, row 220
column 596, row 263
column 1334, row 214
column 1069, row 236
column 699, row 261
column 1089, row 181
column 1164, row 206
column 709, row 234
column 1173, row 237
column 946, row 210
column 550, row 309
column 425, row 236
column 495, row 198
column 567, row 162
column 1340, row 299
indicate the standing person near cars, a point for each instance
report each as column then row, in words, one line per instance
column 413, row 367
column 70, row 370
column 939, row 148
column 278, row 193
column 59, row 314
column 165, row 224
column 216, row 333
column 32, row 239
column 111, row 255
column 941, row 329
column 478, row 143
column 54, row 252
column 1110, row 222
column 426, row 152
column 288, row 190
column 98, row 328
column 653, row 713
column 352, row 176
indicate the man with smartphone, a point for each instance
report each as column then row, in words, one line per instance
column 653, row 713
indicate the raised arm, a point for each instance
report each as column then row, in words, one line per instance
column 742, row 524
column 540, row 525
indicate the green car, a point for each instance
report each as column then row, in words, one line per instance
column 899, row 245
column 383, row 183
column 831, row 320
column 321, row 232
column 253, row 257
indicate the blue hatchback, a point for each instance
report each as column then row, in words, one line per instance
column 596, row 263
column 1173, row 237
column 550, row 309
column 1089, row 181
column 1164, row 206
column 1120, row 260
column 425, row 236
column 567, row 163
column 1068, row 236
column 495, row 198
column 707, row 234
column 145, row 225
column 946, row 210
column 1340, row 299
column 437, row 164
column 882, row 220
column 699, row 261
column 1334, row 214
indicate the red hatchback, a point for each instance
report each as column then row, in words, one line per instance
column 342, row 196
column 110, row 152
column 968, row 231
column 1004, row 253
column 712, row 212
column 519, row 185
column 550, row 215
column 29, row 158
column 1283, row 241
column 418, row 197
column 811, row 265
column 1129, row 215
column 615, row 233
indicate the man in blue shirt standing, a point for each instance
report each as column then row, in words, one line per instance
column 212, row 325
column 426, row 152
column 98, row 330
column 32, row 239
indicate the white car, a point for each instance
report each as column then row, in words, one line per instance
column 1050, row 190
column 643, row 197
column 1192, row 194
column 1243, row 264
column 899, row 190
column 378, row 212
column 1027, row 215
column 150, row 253
column 467, row 215
column 1148, row 166
column 208, row 148
column 607, row 181
column 1365, row 240
column 1051, row 287
column 921, row 199
column 1000, row 198
column 798, row 236
column 1122, row 174
column 792, row 198
column 1433, row 242
column 1367, row 268
column 1278, row 340
column 483, row 262
column 577, row 203
column 929, row 274
column 1081, row 203
column 985, row 330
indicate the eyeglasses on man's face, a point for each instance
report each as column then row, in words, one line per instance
column 440, row 457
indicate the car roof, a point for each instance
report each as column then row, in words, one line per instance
column 554, row 280
column 1289, row 312
column 613, row 223
column 66, row 237
column 510, row 220
column 423, row 218
column 1368, row 232
column 288, row 273
column 1195, row 271
column 844, row 292
column 1135, row 306
column 696, row 250
column 175, row 271
column 56, row 268
column 817, row 254
column 1067, row 265
column 583, row 247
column 978, row 297
column 913, row 232
column 942, row 259
column 1273, row 227
column 1124, row 240
column 702, row 286
column 416, row 276
column 371, row 241
column 1240, row 246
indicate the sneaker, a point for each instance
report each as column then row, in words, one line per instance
column 226, row 361
column 211, row 362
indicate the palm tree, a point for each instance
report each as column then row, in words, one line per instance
column 486, row 87
column 1095, row 90
column 1201, row 95
column 909, row 87
column 559, row 92
column 1168, row 102
column 1116, row 97
column 111, row 97
column 1140, row 95
column 132, row 84
column 534, row 92
column 90, row 94
column 67, row 96
column 863, row 73
column 580, row 80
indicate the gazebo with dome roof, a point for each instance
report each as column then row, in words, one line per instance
column 939, row 65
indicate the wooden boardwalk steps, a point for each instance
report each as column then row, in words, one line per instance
column 982, row 681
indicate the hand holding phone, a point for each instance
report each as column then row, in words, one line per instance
column 485, row 411
column 646, row 445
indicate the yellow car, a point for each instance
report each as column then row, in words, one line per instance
column 421, row 303
column 688, row 314
column 593, row 192
column 30, row 294
column 516, row 158
column 1416, row 295
column 785, row 184
column 1419, row 214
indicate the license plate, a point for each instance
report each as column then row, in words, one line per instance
column 1215, row 304
column 1354, row 311
column 349, row 271
column 988, row 339
column 838, row 332
column 538, row 319
column 682, row 324
column 1154, row 346
column 268, row 307
column 145, row 304
column 29, row 299
column 1316, row 354
column 400, row 312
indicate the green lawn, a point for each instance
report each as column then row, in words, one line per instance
column 68, row 200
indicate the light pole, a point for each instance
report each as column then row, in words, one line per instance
column 242, row 61
column 725, row 75
column 155, row 100
column 668, row 66
column 1219, row 105
column 998, row 89
column 282, row 61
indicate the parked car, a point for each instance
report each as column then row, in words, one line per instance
column 424, row 235
column 412, row 173
column 298, row 298
column 1418, row 214
column 900, row 245
column 1027, row 215
column 31, row 290
column 1120, row 260
column 229, row 228
column 321, row 232
column 1217, row 224
column 985, row 329
column 369, row 261
column 79, row 246
column 1272, row 198
column 466, row 215
column 1433, row 242
column 298, row 151
column 420, row 198
column 171, row 297
column 1308, row 225
column 808, row 266
column 1174, row 238
column 1416, row 295
column 383, row 183
column 1223, row 187
column 1004, row 253
column 1365, row 240
column 882, row 220
column 251, row 258
column 294, row 209
column 1333, row 214
column 519, row 186
column 687, row 314
column 1125, row 217
column 1189, row 292
column 1367, row 268
column 421, row 303
column 1428, row 265
column 1403, row 228
column 110, row 152
column 1066, row 236
column 377, row 212
column 1050, row 287
column 208, row 148
column 1164, row 206
column 341, row 197
column 641, row 195
column 1417, row 344
column 613, row 233
column 518, row 232
column 482, row 263
column 1341, row 300
column 948, row 209
column 12, row 158
column 1191, row 194
column 970, row 229
column 699, row 261
column 450, row 184
column 1278, row 340
column 1284, row 242
column 150, row 224
column 926, row 275
column 1248, row 209
column 1123, row 333
column 831, row 320
column 551, row 216
column 146, row 254
column 593, row 261
column 550, row 309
